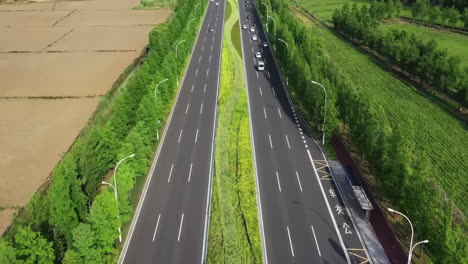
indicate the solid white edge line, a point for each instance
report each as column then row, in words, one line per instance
column 290, row 241
column 156, row 228
column 278, row 180
column 196, row 136
column 210, row 186
column 149, row 177
column 328, row 207
column 180, row 227
column 190, row 173
column 316, row 242
column 186, row 109
column 170, row 173
column 252, row 143
column 287, row 141
column 299, row 181
column 271, row 144
column 180, row 135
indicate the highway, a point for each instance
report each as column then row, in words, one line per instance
column 302, row 217
column 172, row 218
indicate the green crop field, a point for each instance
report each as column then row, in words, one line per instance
column 325, row 8
column 438, row 134
column 456, row 44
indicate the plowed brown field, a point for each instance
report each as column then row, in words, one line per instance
column 68, row 53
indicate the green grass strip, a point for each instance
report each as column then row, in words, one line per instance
column 234, row 235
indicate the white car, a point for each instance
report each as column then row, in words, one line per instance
column 261, row 66
column 244, row 27
column 252, row 29
column 265, row 44
column 258, row 55
column 217, row 4
column 254, row 37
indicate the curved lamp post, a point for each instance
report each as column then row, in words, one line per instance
column 324, row 111
column 155, row 94
column 412, row 231
column 411, row 251
column 177, row 59
column 287, row 46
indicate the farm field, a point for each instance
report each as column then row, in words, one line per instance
column 438, row 134
column 456, row 44
column 57, row 59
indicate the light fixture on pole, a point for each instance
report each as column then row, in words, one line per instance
column 412, row 230
column 287, row 46
column 324, row 110
column 177, row 59
column 118, row 214
column 411, row 250
column 188, row 23
column 266, row 7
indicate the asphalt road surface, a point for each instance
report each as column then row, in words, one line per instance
column 302, row 216
column 171, row 221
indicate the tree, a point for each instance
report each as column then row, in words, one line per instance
column 420, row 8
column 104, row 221
column 32, row 248
column 465, row 18
column 453, row 16
column 84, row 249
column 65, row 198
column 398, row 7
column 434, row 14
column 7, row 253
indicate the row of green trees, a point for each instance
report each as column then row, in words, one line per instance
column 73, row 218
column 403, row 174
column 412, row 54
column 449, row 16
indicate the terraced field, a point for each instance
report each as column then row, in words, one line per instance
column 437, row 133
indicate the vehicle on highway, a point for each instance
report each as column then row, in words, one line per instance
column 247, row 9
column 252, row 29
column 211, row 29
column 244, row 26
column 249, row 16
column 217, row 4
column 246, row 5
column 261, row 66
column 265, row 44
column 258, row 55
column 254, row 37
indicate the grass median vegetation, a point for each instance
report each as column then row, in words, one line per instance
column 234, row 231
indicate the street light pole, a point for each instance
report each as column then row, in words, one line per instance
column 188, row 23
column 411, row 251
column 118, row 214
column 177, row 59
column 274, row 27
column 324, row 111
column 266, row 7
column 155, row 94
column 412, row 230
column 196, row 6
column 287, row 46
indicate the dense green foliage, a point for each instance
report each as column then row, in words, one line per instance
column 234, row 232
column 414, row 55
column 385, row 139
column 73, row 219
column 449, row 16
column 455, row 44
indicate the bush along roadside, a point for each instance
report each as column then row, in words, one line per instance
column 72, row 218
column 403, row 174
column 234, row 235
